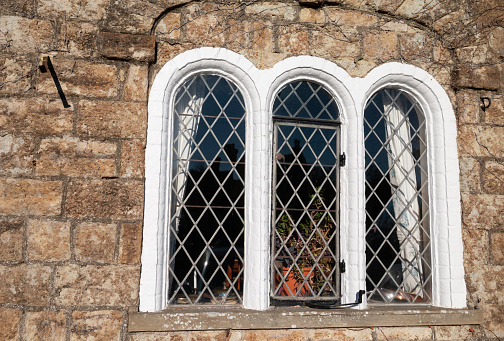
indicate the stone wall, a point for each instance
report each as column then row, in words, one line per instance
column 71, row 179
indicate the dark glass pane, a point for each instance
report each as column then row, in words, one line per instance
column 398, row 270
column 207, row 193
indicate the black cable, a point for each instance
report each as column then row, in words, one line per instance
column 332, row 305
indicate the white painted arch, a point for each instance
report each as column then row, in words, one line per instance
column 258, row 88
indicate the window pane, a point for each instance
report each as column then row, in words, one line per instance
column 305, row 100
column 305, row 245
column 397, row 204
column 207, row 193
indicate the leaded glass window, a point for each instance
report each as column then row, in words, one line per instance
column 207, row 193
column 398, row 267
column 305, row 231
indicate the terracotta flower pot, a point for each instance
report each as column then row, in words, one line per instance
column 292, row 287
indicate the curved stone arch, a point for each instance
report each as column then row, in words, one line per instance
column 153, row 283
column 443, row 167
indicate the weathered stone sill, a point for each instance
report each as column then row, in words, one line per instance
column 217, row 318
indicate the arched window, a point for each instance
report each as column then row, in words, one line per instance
column 206, row 222
column 305, row 232
column 398, row 267
column 219, row 230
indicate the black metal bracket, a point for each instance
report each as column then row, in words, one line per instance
column 47, row 66
column 485, row 103
column 342, row 266
column 331, row 305
column 342, row 160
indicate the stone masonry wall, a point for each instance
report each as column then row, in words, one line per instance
column 71, row 179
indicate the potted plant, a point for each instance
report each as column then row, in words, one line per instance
column 303, row 253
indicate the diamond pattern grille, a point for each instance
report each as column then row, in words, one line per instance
column 397, row 203
column 305, row 100
column 207, row 193
column 305, row 218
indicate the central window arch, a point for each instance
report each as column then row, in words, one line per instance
column 305, row 231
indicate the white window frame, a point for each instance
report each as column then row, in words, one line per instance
column 259, row 88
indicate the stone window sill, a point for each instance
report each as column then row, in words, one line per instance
column 217, row 318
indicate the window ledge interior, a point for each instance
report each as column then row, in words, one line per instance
column 222, row 318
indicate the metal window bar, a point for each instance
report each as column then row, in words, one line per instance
column 387, row 267
column 305, row 233
column 206, row 264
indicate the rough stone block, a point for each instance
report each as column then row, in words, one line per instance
column 16, row 74
column 22, row 8
column 108, row 199
column 48, row 240
column 485, row 283
column 84, row 78
column 109, row 285
column 497, row 247
column 9, row 328
column 311, row 15
column 207, row 336
column 112, row 119
column 415, row 47
column 475, row 246
column 75, row 157
column 16, row 154
column 79, row 39
column 358, row 68
column 468, row 106
column 32, row 115
column 279, row 335
column 168, row 336
column 381, row 45
column 483, row 211
column 11, row 239
column 497, row 40
column 133, row 158
column 166, row 52
column 329, row 43
column 495, row 113
column 481, row 141
column 95, row 242
column 32, row 197
column 45, row 325
column 24, row 34
column 480, row 54
column 494, row 317
column 169, row 26
column 483, row 77
column 96, row 325
column 81, row 78
column 130, row 244
column 344, row 18
column 470, row 171
column 128, row 46
column 450, row 333
column 25, row 284
column 135, row 88
column 94, row 10
column 206, row 29
column 389, row 6
column 493, row 176
column 271, row 10
column 404, row 333
column 293, row 39
column 342, row 334
column 136, row 16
